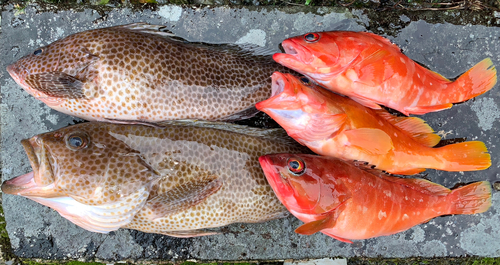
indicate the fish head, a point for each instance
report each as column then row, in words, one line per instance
column 301, row 182
column 314, row 54
column 297, row 105
column 56, row 72
column 82, row 171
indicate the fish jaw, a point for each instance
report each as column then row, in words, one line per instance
column 304, row 60
column 271, row 166
column 39, row 182
column 296, row 56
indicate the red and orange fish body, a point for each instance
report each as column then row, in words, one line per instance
column 371, row 70
column 349, row 203
column 336, row 126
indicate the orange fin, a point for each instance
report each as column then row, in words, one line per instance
column 374, row 141
column 439, row 76
column 365, row 101
column 374, row 69
column 336, row 237
column 466, row 156
column 327, row 222
column 471, row 199
column 413, row 126
column 419, row 110
column 380, row 38
column 183, row 196
column 422, row 185
column 322, row 126
column 476, row 81
column 316, row 226
column 412, row 171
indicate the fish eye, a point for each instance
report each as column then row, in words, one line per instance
column 311, row 37
column 77, row 141
column 296, row 166
column 305, row 80
column 38, row 52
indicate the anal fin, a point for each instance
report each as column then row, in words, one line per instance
column 419, row 110
column 190, row 233
column 336, row 237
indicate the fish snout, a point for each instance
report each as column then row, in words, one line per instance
column 17, row 185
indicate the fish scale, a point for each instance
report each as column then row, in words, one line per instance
column 194, row 175
column 137, row 72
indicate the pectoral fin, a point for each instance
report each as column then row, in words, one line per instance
column 324, row 223
column 56, row 84
column 322, row 126
column 98, row 218
column 183, row 196
column 373, row 141
column 316, row 226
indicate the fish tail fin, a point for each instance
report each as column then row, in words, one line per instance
column 470, row 199
column 476, row 81
column 466, row 156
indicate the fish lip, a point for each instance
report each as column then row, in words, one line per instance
column 296, row 51
column 278, row 84
column 277, row 87
column 30, row 152
column 20, row 184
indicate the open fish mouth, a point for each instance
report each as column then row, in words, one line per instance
column 19, row 185
column 35, row 183
column 277, row 87
column 278, row 84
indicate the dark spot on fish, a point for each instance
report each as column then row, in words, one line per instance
column 38, row 52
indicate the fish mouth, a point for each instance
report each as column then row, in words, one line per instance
column 18, row 185
column 277, row 88
column 40, row 181
column 278, row 84
column 271, row 172
column 295, row 57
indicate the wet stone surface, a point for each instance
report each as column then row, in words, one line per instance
column 38, row 231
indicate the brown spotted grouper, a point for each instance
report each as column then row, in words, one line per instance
column 177, row 180
column 137, row 72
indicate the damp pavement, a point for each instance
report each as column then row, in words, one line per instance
column 450, row 45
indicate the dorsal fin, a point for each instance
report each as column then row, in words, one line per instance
column 380, row 38
column 277, row 134
column 162, row 31
column 421, row 185
column 414, row 127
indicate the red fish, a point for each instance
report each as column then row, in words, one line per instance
column 371, row 70
column 348, row 203
column 336, row 126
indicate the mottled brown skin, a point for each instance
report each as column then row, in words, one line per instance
column 194, row 177
column 134, row 72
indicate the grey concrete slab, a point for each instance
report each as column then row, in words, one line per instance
column 449, row 49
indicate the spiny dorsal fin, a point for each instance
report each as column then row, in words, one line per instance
column 160, row 30
column 421, row 185
column 277, row 134
column 414, row 127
